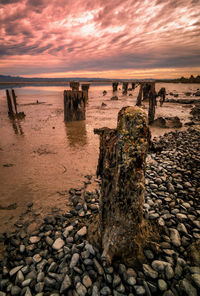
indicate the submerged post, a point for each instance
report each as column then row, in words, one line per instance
column 74, row 85
column 115, row 86
column 74, row 105
column 121, row 166
column 139, row 97
column 152, row 103
column 85, row 87
column 14, row 100
column 124, row 88
column 10, row 109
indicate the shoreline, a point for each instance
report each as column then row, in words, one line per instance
column 171, row 202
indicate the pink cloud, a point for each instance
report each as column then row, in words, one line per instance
column 94, row 35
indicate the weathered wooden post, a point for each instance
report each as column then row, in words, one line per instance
column 124, row 88
column 85, row 87
column 14, row 100
column 133, row 85
column 10, row 109
column 74, row 105
column 74, row 85
column 162, row 94
column 139, row 97
column 121, row 166
column 152, row 103
column 115, row 86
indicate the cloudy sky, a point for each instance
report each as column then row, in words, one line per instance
column 100, row 38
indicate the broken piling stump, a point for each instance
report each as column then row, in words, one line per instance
column 115, row 86
column 74, row 85
column 121, row 166
column 74, row 105
column 124, row 88
column 85, row 87
column 152, row 104
column 139, row 97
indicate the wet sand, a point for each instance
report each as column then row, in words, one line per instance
column 41, row 157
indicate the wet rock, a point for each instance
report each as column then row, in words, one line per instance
column 58, row 244
column 148, row 271
column 80, row 289
column 187, row 288
column 82, row 232
column 74, row 260
column 66, row 284
column 175, row 237
column 162, row 285
column 196, row 279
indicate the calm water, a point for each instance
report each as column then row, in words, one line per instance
column 41, row 155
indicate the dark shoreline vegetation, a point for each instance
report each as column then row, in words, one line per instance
column 11, row 81
column 60, row 258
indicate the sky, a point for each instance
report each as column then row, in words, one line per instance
column 98, row 38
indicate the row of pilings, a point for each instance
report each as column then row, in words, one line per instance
column 75, row 100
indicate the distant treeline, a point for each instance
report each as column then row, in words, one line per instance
column 192, row 79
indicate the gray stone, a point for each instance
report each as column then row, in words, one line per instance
column 116, row 280
column 159, row 265
column 34, row 239
column 15, row 270
column 175, row 237
column 22, row 248
column 105, row 291
column 131, row 281
column 74, row 260
column 2, row 293
column 188, row 288
column 98, row 267
column 26, row 282
column 148, row 271
column 40, row 277
column 95, row 291
column 196, row 278
column 82, row 231
column 28, row 292
column 49, row 240
column 66, row 284
column 90, row 248
column 37, row 258
column 39, row 287
column 68, row 230
column 80, row 289
column 58, row 244
column 15, row 290
column 139, row 290
column 19, row 277
column 87, row 282
column 169, row 272
column 162, row 285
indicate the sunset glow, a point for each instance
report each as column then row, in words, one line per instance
column 114, row 39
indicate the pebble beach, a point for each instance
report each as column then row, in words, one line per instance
column 58, row 259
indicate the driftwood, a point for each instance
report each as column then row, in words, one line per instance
column 121, row 166
column 74, row 105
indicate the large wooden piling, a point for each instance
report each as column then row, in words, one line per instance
column 121, row 166
column 74, row 85
column 10, row 108
column 124, row 88
column 133, row 85
column 74, row 105
column 115, row 86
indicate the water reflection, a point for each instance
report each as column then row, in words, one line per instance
column 76, row 133
column 16, row 124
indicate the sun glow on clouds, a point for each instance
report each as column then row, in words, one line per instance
column 96, row 38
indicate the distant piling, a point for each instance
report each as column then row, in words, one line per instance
column 74, row 85
column 115, row 86
column 124, row 88
column 14, row 100
column 10, row 108
column 85, row 88
column 74, row 105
